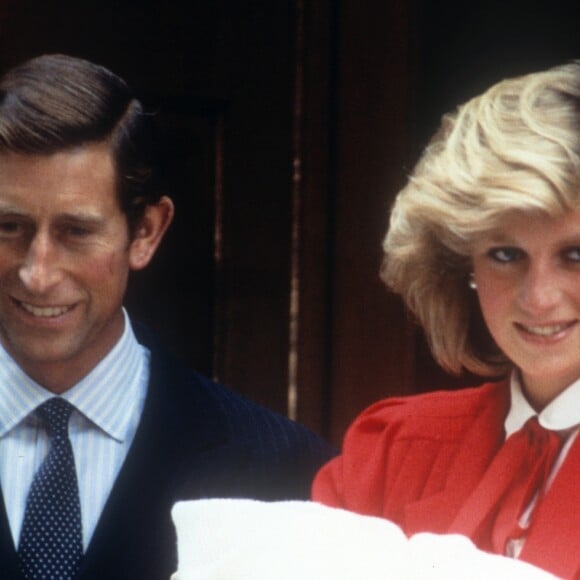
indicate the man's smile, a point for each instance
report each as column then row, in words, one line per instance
column 45, row 311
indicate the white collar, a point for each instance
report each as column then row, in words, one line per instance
column 104, row 396
column 562, row 414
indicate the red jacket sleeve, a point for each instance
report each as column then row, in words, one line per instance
column 356, row 480
column 402, row 450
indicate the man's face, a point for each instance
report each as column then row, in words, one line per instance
column 65, row 255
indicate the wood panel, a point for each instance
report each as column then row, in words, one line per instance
column 176, row 294
column 372, row 353
column 315, row 156
column 255, row 62
column 291, row 126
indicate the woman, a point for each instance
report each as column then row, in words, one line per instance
column 484, row 247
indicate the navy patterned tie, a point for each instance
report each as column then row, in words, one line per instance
column 51, row 537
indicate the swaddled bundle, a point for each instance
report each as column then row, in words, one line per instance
column 229, row 539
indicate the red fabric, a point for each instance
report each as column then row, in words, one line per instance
column 417, row 461
column 491, row 515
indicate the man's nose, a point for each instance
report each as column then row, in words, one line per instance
column 40, row 270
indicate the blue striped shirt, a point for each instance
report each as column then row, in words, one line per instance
column 108, row 405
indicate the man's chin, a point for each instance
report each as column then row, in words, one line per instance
column 38, row 352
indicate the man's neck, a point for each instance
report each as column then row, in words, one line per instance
column 58, row 376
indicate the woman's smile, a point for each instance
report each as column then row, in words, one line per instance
column 528, row 284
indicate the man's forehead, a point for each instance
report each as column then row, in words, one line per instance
column 78, row 213
column 80, row 181
column 90, row 159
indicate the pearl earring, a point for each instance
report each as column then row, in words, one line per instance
column 472, row 283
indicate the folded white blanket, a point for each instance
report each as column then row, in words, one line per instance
column 229, row 539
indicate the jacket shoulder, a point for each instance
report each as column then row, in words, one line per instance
column 402, row 448
column 436, row 414
column 281, row 455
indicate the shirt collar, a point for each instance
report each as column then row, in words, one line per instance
column 106, row 396
column 562, row 414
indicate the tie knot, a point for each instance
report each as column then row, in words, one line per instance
column 55, row 413
column 538, row 436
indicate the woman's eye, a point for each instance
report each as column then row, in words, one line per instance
column 572, row 254
column 505, row 255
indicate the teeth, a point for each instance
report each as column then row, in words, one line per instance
column 545, row 330
column 45, row 312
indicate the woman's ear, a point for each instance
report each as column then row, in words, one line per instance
column 149, row 232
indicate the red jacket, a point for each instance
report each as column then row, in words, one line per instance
column 415, row 460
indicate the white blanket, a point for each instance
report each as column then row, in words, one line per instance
column 228, row 539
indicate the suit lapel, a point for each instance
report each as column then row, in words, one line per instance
column 8, row 561
column 180, row 437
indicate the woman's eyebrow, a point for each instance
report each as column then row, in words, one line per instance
column 499, row 238
column 573, row 240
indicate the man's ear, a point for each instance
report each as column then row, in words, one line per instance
column 149, row 233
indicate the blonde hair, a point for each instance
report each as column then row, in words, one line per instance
column 515, row 148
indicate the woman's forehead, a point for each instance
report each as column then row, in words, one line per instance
column 534, row 226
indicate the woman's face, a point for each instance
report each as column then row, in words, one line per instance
column 528, row 283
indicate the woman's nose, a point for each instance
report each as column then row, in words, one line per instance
column 539, row 290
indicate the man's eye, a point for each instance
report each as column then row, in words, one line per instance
column 77, row 231
column 505, row 255
column 9, row 228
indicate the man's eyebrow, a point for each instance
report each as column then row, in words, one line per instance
column 82, row 217
column 11, row 210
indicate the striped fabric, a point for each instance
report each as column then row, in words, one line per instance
column 108, row 404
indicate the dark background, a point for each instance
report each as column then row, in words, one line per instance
column 290, row 126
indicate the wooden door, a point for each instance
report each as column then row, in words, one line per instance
column 290, row 126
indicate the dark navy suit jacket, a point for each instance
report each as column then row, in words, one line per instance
column 196, row 439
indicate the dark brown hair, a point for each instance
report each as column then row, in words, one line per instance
column 55, row 102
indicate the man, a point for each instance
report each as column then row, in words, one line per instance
column 80, row 207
